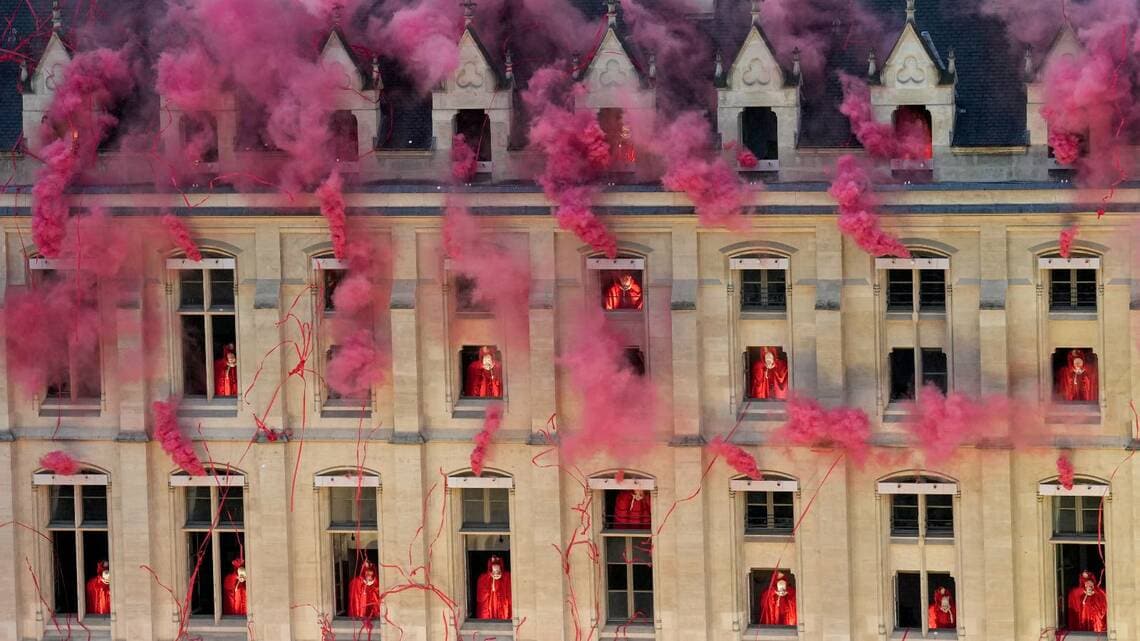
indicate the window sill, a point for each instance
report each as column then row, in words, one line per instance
column 774, row 632
column 756, row 537
column 613, row 531
column 233, row 624
column 487, row 625
column 756, row 409
column 1075, row 314
column 1074, row 538
column 76, row 408
column 1073, row 413
column 200, row 407
column 96, row 632
column 629, row 630
column 473, row 407
column 624, row 313
column 346, row 408
column 347, row 626
column 915, row 633
column 474, row 314
column 764, row 314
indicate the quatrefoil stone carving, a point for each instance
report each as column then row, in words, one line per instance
column 470, row 76
column 612, row 75
column 911, row 73
column 756, row 73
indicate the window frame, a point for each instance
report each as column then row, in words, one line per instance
column 920, row 377
column 219, row 486
column 771, row 140
column 466, row 536
column 600, row 485
column 921, row 488
column 40, row 272
column 325, row 485
column 765, row 263
column 1078, row 262
column 329, row 404
column 44, row 485
column 926, row 580
column 922, row 262
column 211, row 260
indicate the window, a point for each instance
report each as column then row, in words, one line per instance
column 622, row 153
column 763, row 290
column 80, row 573
column 486, row 535
column 904, row 380
column 215, row 548
column 1081, row 597
column 354, row 543
column 628, row 510
column 1072, row 290
column 253, row 123
column 766, row 373
column 934, row 370
column 475, row 127
column 902, row 374
column 621, row 289
column 635, row 360
column 769, row 513
column 75, row 370
column 930, row 514
column 327, row 282
column 199, row 137
column 343, row 127
column 1075, row 377
column 205, row 294
column 913, row 124
column 481, row 370
column 1067, row 148
column 773, row 602
column 911, row 611
column 758, row 132
column 1076, row 517
column 466, row 300
column 931, row 294
column 629, row 579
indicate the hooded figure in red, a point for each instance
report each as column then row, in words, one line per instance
column 225, row 373
column 484, row 376
column 364, row 593
column 99, row 590
column 769, row 375
column 942, row 614
column 778, row 602
column 493, row 591
column 1088, row 606
column 233, row 590
column 1077, row 381
column 632, row 510
column 624, row 293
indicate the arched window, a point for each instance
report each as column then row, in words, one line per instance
column 345, row 139
column 212, row 510
column 485, row 538
column 204, row 301
column 74, row 369
column 349, row 499
column 1077, row 546
column 1072, row 282
column 912, row 125
column 758, row 132
column 627, row 548
column 475, row 127
column 74, row 511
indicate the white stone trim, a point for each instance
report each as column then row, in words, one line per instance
column 748, row 485
column 210, row 480
column 890, row 487
column 625, row 484
column 1068, row 263
column 757, row 263
column 43, row 264
column 615, row 263
column 338, row 480
column 1079, row 489
column 912, row 263
column 480, row 481
column 205, row 263
column 70, row 479
column 320, row 264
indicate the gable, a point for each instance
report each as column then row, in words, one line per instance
column 49, row 71
column 1066, row 47
column 474, row 73
column 755, row 67
column 611, row 70
column 336, row 53
column 910, row 66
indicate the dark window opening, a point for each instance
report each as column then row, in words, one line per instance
column 622, row 289
column 466, row 300
column 635, row 360
column 215, row 552
column 352, row 508
column 66, row 579
column 199, row 137
column 356, row 575
column 252, row 125
column 489, row 597
column 908, row 601
column 330, row 280
column 769, row 513
column 629, row 579
column 902, row 374
column 773, row 598
column 934, row 370
column 1077, row 517
column 1082, row 604
column 763, row 290
column 345, row 139
column 133, row 114
column 1072, row 290
column 904, row 515
column 208, row 331
column 77, row 531
column 900, row 290
column 939, row 516
column 931, row 290
column 1075, row 375
column 481, row 370
column 627, row 510
column 758, row 130
column 942, row 613
column 912, row 125
column 1067, row 148
column 486, row 508
column 201, row 560
column 766, row 373
column 475, row 127
column 622, row 153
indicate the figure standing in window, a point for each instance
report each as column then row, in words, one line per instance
column 99, row 590
column 770, row 375
column 493, row 592
column 364, row 593
column 233, row 590
column 626, row 154
column 1077, row 380
column 484, row 376
column 632, row 510
column 778, row 602
column 942, row 614
column 225, row 373
column 1088, row 606
column 624, row 293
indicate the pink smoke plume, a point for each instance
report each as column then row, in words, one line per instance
column 358, row 362
column 75, row 124
column 1028, row 23
column 1066, row 147
column 576, row 153
column 940, row 424
column 501, row 277
column 618, row 407
column 810, row 424
column 491, row 422
column 736, row 457
column 59, row 462
column 424, row 37
column 330, row 196
column 719, row 197
column 179, row 233
column 189, row 79
column 909, row 140
column 851, row 189
column 1065, row 471
column 1068, row 235
column 173, row 441
column 463, row 160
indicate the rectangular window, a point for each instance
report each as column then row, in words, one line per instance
column 621, row 289
column 75, row 375
column 939, row 516
column 763, row 290
column 629, row 579
column 215, row 551
column 330, row 279
column 635, row 359
column 475, row 127
column 1075, row 375
column 627, row 510
column 352, row 508
column 758, row 132
column 766, row 373
column 769, row 513
column 481, row 370
column 773, row 598
column 902, row 373
column 208, row 331
column 934, row 371
column 908, row 601
column 931, row 514
column 354, row 543
column 486, row 542
column 486, row 508
column 900, row 290
column 1076, row 517
column 1082, row 603
column 80, row 572
column 466, row 300
column 942, row 613
column 931, row 290
column 904, row 515
column 1072, row 290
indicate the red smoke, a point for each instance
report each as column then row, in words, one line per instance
column 1065, row 471
column 1068, row 235
column 424, row 37
column 618, row 408
column 718, row 195
column 736, row 457
column 941, row 424
column 576, row 154
column 910, row 140
column 173, row 441
column 178, row 232
column 59, row 462
column 810, row 424
column 502, row 277
column 359, row 361
column 1066, row 146
column 857, row 218
column 332, row 208
column 464, row 164
column 491, row 422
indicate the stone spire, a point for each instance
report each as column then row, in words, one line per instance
column 718, row 71
column 509, row 68
column 952, row 63
column 56, row 17
column 652, row 67
column 375, row 72
column 611, row 13
column 796, row 62
column 910, row 10
column 755, row 12
column 871, row 68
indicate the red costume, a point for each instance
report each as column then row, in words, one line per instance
column 225, row 373
column 484, row 376
column 99, row 590
column 1088, row 606
column 770, row 375
column 631, row 510
column 1077, row 380
column 493, row 592
column 625, row 293
column 942, row 614
column 778, row 602
column 364, row 594
column 233, row 590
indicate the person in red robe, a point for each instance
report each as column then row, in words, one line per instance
column 778, row 602
column 942, row 614
column 364, row 593
column 770, row 375
column 1088, row 606
column 493, row 591
column 225, row 373
column 632, row 511
column 484, row 376
column 624, row 293
column 234, row 590
column 1077, row 380
column 99, row 590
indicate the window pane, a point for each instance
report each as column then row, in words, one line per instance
column 621, row 289
column 348, row 558
column 62, row 505
column 908, row 596
column 618, row 606
column 200, row 565
column 615, row 550
column 642, row 550
column 643, row 606
column 194, row 355
column 221, row 289
column 934, row 371
column 63, row 575
column 1090, row 515
column 1065, row 521
column 190, row 292
column 904, row 515
column 900, row 289
column 465, row 300
column 94, row 505
column 785, row 517
column 617, row 577
column 500, row 507
column 198, row 512
column 95, row 557
column 231, row 548
column 473, row 507
column 231, row 506
column 939, row 515
column 932, row 290
column 348, row 510
column 331, row 278
column 902, row 374
column 642, row 577
column 1086, row 289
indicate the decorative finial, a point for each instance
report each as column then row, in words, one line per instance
column 652, row 66
column 376, row 72
column 910, row 11
column 23, row 71
column 468, row 13
column 509, row 63
column 719, row 70
column 336, row 15
column 56, row 17
column 796, row 62
column 951, row 63
column 871, row 69
column 836, row 25
column 1028, row 62
column 611, row 13
column 575, row 63
column 756, row 12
